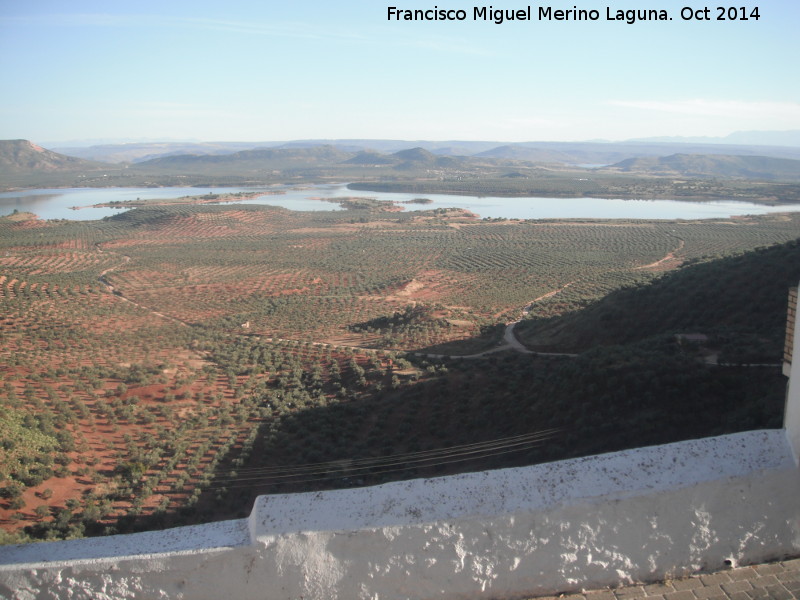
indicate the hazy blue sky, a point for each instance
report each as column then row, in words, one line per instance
column 269, row 70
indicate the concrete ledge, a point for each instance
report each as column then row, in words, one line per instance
column 609, row 476
column 633, row 516
column 178, row 540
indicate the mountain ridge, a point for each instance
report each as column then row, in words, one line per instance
column 564, row 152
column 703, row 165
column 22, row 155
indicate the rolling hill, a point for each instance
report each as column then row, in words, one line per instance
column 22, row 162
column 249, row 160
column 703, row 165
column 415, row 158
column 368, row 157
column 22, row 156
column 134, row 152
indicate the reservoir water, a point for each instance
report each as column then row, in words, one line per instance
column 59, row 203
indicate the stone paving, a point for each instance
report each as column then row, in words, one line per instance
column 770, row 581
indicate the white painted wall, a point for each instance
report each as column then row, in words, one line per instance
column 637, row 515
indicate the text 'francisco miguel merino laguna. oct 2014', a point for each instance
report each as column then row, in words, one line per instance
column 499, row 16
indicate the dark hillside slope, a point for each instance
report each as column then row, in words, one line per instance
column 606, row 400
column 742, row 296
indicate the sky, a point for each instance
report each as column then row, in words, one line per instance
column 266, row 70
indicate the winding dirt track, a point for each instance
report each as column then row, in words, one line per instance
column 510, row 341
column 670, row 256
column 117, row 294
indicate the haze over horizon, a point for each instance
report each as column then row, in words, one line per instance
column 789, row 138
column 256, row 71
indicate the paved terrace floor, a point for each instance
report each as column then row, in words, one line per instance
column 771, row 581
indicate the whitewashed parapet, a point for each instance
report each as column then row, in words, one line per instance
column 609, row 476
column 636, row 515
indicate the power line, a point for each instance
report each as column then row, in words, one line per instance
column 381, row 465
column 487, row 444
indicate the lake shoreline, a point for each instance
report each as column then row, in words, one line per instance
column 417, row 188
column 95, row 203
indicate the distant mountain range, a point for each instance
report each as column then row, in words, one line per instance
column 688, row 165
column 779, row 144
column 299, row 157
column 24, row 164
column 143, row 151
